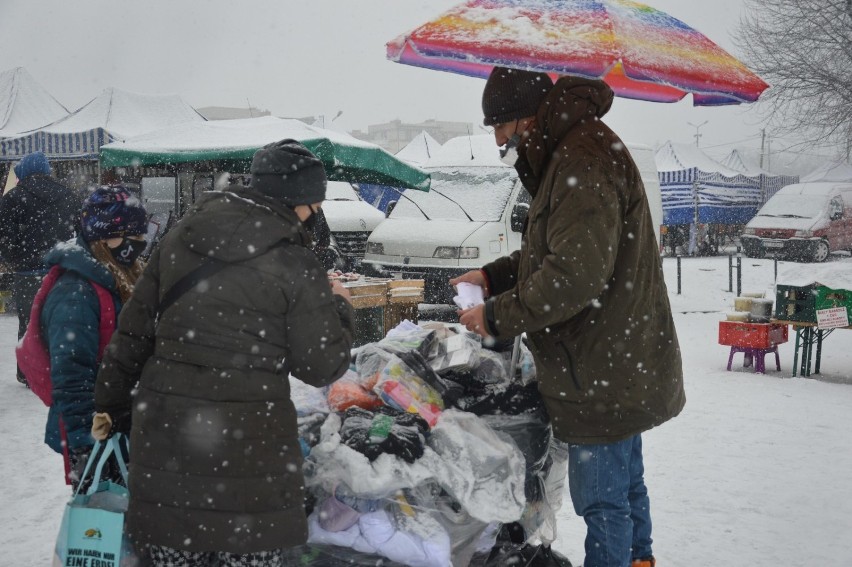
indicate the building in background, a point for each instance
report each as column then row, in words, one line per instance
column 395, row 135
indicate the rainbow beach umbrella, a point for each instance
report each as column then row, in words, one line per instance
column 641, row 52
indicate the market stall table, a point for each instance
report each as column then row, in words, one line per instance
column 814, row 310
column 807, row 334
column 381, row 304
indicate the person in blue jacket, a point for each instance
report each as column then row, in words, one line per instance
column 113, row 223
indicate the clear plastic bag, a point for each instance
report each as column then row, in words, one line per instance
column 421, row 340
column 539, row 520
column 400, row 387
column 483, row 470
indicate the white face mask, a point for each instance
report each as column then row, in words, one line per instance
column 509, row 152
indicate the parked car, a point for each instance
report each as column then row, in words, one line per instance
column 473, row 214
column 351, row 221
column 804, row 222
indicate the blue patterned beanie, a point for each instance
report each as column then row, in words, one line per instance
column 112, row 212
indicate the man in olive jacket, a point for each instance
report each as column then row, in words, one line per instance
column 216, row 466
column 587, row 288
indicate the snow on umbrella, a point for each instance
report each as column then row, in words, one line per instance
column 639, row 51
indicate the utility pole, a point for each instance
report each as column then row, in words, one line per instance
column 762, row 145
column 697, row 127
column 849, row 133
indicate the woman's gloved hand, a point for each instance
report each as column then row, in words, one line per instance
column 101, row 426
column 105, row 425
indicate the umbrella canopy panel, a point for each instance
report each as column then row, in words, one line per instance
column 641, row 52
column 235, row 141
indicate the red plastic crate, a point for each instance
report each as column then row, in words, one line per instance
column 752, row 335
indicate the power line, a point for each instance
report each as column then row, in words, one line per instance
column 732, row 143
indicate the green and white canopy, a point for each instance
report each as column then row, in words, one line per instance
column 234, row 142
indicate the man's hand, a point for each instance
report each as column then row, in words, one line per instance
column 338, row 288
column 474, row 319
column 474, row 277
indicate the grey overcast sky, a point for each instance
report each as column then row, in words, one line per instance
column 306, row 57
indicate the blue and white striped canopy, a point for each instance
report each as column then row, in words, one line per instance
column 73, row 145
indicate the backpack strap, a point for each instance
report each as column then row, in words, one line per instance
column 107, row 323
column 209, row 267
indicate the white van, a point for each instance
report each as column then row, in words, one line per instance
column 803, row 222
column 473, row 214
column 351, row 221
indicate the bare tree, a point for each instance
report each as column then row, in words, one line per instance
column 803, row 49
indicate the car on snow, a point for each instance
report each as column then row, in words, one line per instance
column 803, row 222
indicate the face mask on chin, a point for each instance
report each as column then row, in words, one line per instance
column 509, row 152
column 128, row 251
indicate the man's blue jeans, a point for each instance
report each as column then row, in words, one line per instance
column 608, row 489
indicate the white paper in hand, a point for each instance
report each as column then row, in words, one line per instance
column 469, row 295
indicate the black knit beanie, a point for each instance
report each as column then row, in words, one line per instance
column 288, row 171
column 511, row 94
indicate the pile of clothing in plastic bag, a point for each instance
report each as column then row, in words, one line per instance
column 431, row 451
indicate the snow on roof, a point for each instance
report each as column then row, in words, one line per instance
column 245, row 133
column 24, row 104
column 676, row 157
column 125, row 114
column 836, row 274
column 738, row 161
column 467, row 151
column 830, row 171
column 420, row 149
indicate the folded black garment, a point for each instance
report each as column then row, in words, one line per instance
column 387, row 431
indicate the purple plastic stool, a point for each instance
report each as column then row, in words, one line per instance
column 755, row 355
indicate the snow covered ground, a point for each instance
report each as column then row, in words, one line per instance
column 757, row 470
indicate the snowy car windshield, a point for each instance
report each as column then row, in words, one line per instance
column 481, row 192
column 794, row 206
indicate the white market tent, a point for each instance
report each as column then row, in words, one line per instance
column 830, row 172
column 24, row 104
column 114, row 115
column 738, row 161
column 467, row 151
column 419, row 149
column 769, row 183
column 692, row 183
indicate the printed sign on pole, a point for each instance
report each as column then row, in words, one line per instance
column 833, row 318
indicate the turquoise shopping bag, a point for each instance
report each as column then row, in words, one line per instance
column 92, row 529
